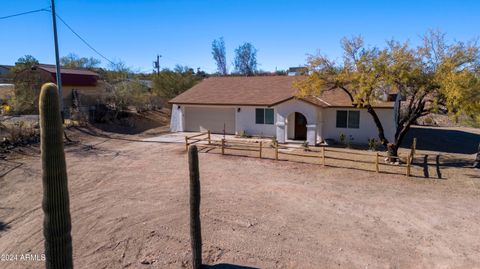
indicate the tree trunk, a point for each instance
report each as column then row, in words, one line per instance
column 392, row 151
column 476, row 164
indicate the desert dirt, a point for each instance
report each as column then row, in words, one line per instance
column 129, row 206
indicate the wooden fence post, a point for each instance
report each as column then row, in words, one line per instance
column 209, row 141
column 260, row 149
column 376, row 163
column 276, row 152
column 323, row 156
column 413, row 149
column 186, row 143
column 223, row 146
column 408, row 164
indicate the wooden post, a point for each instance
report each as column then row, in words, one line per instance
column 276, row 152
column 260, row 149
column 414, row 148
column 323, row 156
column 223, row 146
column 408, row 165
column 209, row 141
column 186, row 143
column 376, row 163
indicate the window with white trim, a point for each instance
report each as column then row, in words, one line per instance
column 264, row 116
column 348, row 119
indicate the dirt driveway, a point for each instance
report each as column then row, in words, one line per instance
column 129, row 209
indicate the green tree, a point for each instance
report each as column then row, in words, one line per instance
column 246, row 59
column 24, row 62
column 435, row 76
column 220, row 55
column 170, row 83
column 117, row 71
column 73, row 61
column 27, row 85
column 130, row 93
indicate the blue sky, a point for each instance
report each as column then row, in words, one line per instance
column 182, row 31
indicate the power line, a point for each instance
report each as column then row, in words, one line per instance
column 65, row 23
column 24, row 13
column 83, row 40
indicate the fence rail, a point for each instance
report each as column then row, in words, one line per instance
column 322, row 154
column 196, row 140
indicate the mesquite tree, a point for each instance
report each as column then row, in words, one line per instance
column 435, row 76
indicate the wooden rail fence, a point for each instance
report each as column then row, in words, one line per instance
column 196, row 139
column 321, row 154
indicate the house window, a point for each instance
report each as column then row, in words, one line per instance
column 348, row 119
column 342, row 118
column 354, row 119
column 264, row 115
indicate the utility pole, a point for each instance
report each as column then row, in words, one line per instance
column 156, row 64
column 57, row 62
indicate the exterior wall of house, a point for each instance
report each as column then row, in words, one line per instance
column 321, row 122
column 217, row 119
column 290, row 122
column 200, row 118
column 88, row 95
column 285, row 109
column 366, row 130
column 177, row 122
column 245, row 121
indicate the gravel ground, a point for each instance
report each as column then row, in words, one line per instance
column 129, row 204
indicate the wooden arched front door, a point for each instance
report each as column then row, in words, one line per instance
column 300, row 127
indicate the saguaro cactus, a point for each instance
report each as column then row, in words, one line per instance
column 195, row 227
column 56, row 206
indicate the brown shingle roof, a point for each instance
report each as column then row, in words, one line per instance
column 257, row 91
column 52, row 69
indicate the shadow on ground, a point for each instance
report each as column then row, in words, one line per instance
column 227, row 266
column 444, row 140
column 4, row 226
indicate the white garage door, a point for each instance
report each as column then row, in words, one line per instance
column 201, row 119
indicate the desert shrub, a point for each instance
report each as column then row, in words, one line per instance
column 26, row 91
column 245, row 134
column 305, row 146
column 428, row 121
column 350, row 141
column 19, row 132
column 130, row 93
column 342, row 139
column 274, row 142
column 372, row 144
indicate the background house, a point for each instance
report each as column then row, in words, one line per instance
column 267, row 106
column 80, row 87
column 5, row 74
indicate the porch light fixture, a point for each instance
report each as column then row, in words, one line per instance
column 239, row 109
column 178, row 107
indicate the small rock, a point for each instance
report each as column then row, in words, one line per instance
column 145, row 262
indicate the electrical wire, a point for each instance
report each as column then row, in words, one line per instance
column 24, row 13
column 78, row 35
column 83, row 40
